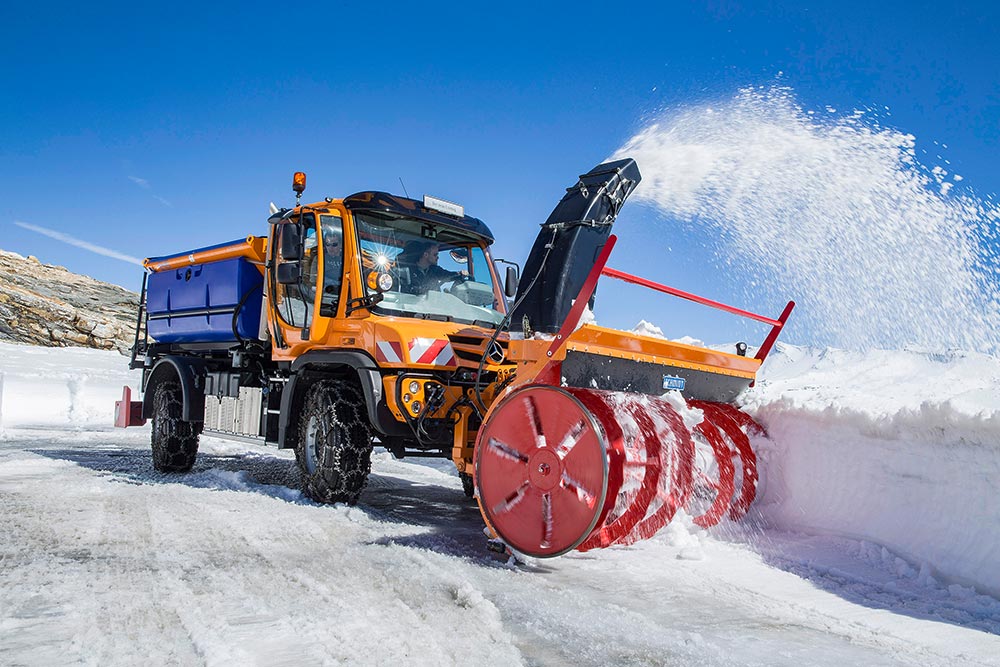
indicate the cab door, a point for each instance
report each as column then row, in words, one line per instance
column 294, row 259
column 338, row 319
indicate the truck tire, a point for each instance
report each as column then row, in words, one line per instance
column 175, row 441
column 468, row 485
column 334, row 447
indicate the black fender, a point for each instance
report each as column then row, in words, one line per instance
column 191, row 373
column 350, row 364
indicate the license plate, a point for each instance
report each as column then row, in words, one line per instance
column 673, row 382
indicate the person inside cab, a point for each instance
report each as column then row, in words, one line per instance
column 332, row 235
column 421, row 259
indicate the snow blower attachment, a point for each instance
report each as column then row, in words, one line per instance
column 582, row 451
column 332, row 333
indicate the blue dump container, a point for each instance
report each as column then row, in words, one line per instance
column 196, row 304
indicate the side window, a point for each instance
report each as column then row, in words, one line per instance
column 478, row 289
column 332, row 232
column 479, row 269
column 295, row 301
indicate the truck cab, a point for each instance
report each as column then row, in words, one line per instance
column 411, row 287
column 343, row 265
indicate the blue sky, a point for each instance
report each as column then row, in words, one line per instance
column 148, row 130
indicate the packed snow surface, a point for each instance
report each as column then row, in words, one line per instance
column 876, row 540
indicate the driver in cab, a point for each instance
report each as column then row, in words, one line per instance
column 421, row 258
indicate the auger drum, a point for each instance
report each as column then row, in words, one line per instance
column 586, row 449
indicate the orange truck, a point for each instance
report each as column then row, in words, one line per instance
column 378, row 320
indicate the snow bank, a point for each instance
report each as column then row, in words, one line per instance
column 45, row 386
column 901, row 448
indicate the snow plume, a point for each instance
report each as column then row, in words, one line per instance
column 833, row 211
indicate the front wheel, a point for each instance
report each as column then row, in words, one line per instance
column 334, row 446
column 174, row 441
column 468, row 484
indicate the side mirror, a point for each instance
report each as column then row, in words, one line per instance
column 291, row 241
column 288, row 273
column 510, row 284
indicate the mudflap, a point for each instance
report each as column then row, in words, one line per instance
column 128, row 412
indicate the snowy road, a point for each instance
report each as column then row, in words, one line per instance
column 104, row 561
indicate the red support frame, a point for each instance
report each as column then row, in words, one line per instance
column 776, row 325
column 765, row 347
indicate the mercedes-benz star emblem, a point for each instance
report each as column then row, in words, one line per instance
column 495, row 353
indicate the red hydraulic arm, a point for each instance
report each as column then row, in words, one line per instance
column 776, row 325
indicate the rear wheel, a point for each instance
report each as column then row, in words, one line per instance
column 335, row 442
column 174, row 441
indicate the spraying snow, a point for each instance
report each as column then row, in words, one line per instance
column 832, row 211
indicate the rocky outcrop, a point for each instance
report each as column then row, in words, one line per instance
column 42, row 304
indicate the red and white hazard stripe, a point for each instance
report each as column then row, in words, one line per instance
column 432, row 351
column 389, row 351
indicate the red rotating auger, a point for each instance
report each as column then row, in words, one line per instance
column 582, row 451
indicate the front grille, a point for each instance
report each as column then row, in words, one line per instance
column 469, row 346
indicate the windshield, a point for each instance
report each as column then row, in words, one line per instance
column 437, row 272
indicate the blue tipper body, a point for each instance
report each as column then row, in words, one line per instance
column 196, row 304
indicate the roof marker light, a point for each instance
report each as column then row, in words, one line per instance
column 444, row 206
